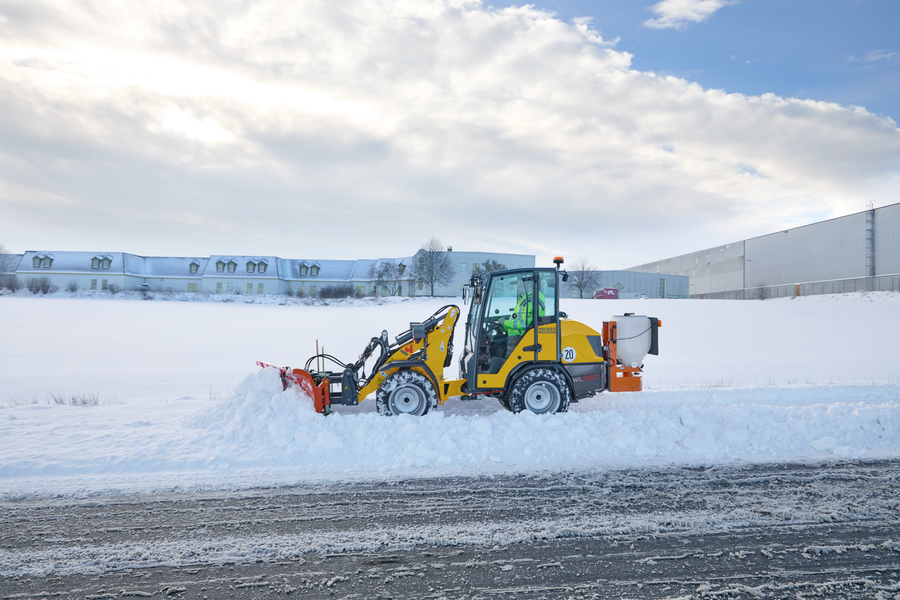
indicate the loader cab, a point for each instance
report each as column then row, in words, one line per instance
column 513, row 321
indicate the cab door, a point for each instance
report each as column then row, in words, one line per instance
column 548, row 322
column 505, row 333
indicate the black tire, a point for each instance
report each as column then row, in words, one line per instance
column 405, row 392
column 542, row 391
column 504, row 402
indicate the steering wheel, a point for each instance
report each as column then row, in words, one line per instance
column 494, row 328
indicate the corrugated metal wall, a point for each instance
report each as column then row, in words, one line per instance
column 887, row 240
column 648, row 284
column 834, row 249
column 633, row 284
column 858, row 252
column 715, row 269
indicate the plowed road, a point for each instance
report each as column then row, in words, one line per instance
column 795, row 531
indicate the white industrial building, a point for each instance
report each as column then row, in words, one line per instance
column 629, row 285
column 858, row 252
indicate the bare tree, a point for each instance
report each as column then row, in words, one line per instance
column 490, row 266
column 6, row 266
column 584, row 276
column 431, row 265
column 386, row 275
column 762, row 292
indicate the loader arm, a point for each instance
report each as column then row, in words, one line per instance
column 426, row 348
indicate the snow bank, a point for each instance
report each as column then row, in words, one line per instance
column 262, row 431
column 263, row 425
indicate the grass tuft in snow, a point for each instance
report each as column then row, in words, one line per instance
column 62, row 398
column 77, row 399
column 216, row 394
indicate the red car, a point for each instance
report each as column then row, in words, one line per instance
column 607, row 294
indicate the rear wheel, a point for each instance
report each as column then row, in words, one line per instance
column 405, row 393
column 542, row 391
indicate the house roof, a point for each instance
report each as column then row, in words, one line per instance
column 339, row 270
column 328, row 269
column 274, row 266
column 71, row 262
column 120, row 263
column 163, row 266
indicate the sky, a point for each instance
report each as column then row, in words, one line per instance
column 623, row 131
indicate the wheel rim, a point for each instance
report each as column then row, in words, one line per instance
column 408, row 399
column 541, row 397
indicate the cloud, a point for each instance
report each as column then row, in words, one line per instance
column 679, row 14
column 360, row 129
column 206, row 130
column 875, row 56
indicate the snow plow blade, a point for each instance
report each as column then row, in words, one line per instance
column 302, row 379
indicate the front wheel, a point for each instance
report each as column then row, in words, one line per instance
column 542, row 391
column 405, row 393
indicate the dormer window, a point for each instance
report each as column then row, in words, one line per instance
column 36, row 262
column 304, row 270
column 232, row 266
column 47, row 262
column 401, row 267
column 220, row 267
column 194, row 267
column 105, row 263
column 95, row 263
column 314, row 270
column 251, row 267
column 262, row 267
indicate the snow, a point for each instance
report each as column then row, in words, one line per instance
column 180, row 402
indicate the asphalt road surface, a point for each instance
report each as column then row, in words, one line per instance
column 785, row 531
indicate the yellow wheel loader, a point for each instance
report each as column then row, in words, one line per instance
column 519, row 348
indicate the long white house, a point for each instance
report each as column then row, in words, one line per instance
column 225, row 274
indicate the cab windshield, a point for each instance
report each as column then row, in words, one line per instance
column 508, row 314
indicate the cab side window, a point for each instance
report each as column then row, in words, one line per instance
column 547, row 288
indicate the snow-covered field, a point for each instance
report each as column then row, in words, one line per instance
column 180, row 402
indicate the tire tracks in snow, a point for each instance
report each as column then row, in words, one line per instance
column 769, row 530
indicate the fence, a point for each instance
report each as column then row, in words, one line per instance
column 882, row 283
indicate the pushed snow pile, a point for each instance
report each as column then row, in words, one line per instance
column 259, row 417
column 263, row 435
column 263, row 425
